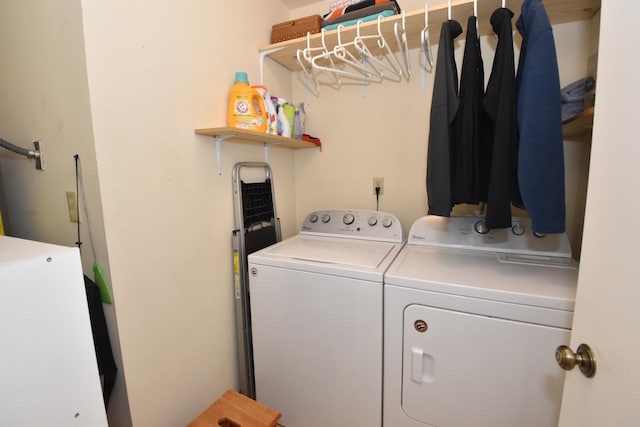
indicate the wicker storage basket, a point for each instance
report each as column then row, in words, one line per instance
column 297, row 28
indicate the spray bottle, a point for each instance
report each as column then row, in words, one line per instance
column 270, row 108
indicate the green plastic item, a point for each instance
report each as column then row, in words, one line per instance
column 105, row 296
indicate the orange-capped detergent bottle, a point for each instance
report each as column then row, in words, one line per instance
column 246, row 106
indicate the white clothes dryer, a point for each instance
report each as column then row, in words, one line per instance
column 316, row 314
column 471, row 324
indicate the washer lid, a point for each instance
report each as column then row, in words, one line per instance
column 345, row 257
column 334, row 251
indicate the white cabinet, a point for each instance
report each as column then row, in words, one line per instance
column 48, row 370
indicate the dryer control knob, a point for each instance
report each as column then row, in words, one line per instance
column 372, row 221
column 326, row 218
column 481, row 227
column 518, row 229
column 313, row 218
column 387, row 222
column 348, row 219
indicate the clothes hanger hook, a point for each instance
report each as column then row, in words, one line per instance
column 381, row 41
column 426, row 15
column 449, row 10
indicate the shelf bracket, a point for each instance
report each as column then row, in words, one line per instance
column 268, row 145
column 261, row 56
column 219, row 139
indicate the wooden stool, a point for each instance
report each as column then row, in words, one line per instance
column 236, row 410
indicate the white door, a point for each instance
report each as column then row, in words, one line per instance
column 608, row 301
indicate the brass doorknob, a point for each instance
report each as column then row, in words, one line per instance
column 584, row 358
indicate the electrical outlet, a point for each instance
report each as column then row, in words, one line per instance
column 72, row 202
column 378, row 181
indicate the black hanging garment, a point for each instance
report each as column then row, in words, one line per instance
column 470, row 134
column 106, row 364
column 500, row 104
column 444, row 105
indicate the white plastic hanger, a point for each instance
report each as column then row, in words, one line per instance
column 311, row 82
column 475, row 13
column 425, row 42
column 327, row 55
column 303, row 57
column 342, row 53
column 361, row 45
column 401, row 39
column 426, row 57
column 323, row 49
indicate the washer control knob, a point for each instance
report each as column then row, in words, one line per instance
column 518, row 229
column 372, row 221
column 326, row 218
column 313, row 218
column 481, row 227
column 387, row 222
column 348, row 219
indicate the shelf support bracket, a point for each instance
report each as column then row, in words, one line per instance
column 261, row 56
column 219, row 139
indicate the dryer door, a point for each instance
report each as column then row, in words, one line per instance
column 462, row 369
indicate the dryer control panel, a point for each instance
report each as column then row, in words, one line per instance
column 357, row 224
column 463, row 232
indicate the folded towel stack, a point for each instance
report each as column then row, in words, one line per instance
column 336, row 4
column 365, row 10
column 572, row 97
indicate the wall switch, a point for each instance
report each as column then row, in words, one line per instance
column 378, row 182
column 72, row 202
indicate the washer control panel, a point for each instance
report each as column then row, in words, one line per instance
column 357, row 224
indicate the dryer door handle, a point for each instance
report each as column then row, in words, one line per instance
column 417, row 355
column 422, row 366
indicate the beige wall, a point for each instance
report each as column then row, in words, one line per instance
column 157, row 71
column 45, row 97
column 152, row 73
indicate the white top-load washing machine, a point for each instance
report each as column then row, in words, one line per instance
column 471, row 324
column 316, row 314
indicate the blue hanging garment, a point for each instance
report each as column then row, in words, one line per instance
column 541, row 156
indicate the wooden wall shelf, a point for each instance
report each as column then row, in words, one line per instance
column 244, row 136
column 252, row 137
column 582, row 124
